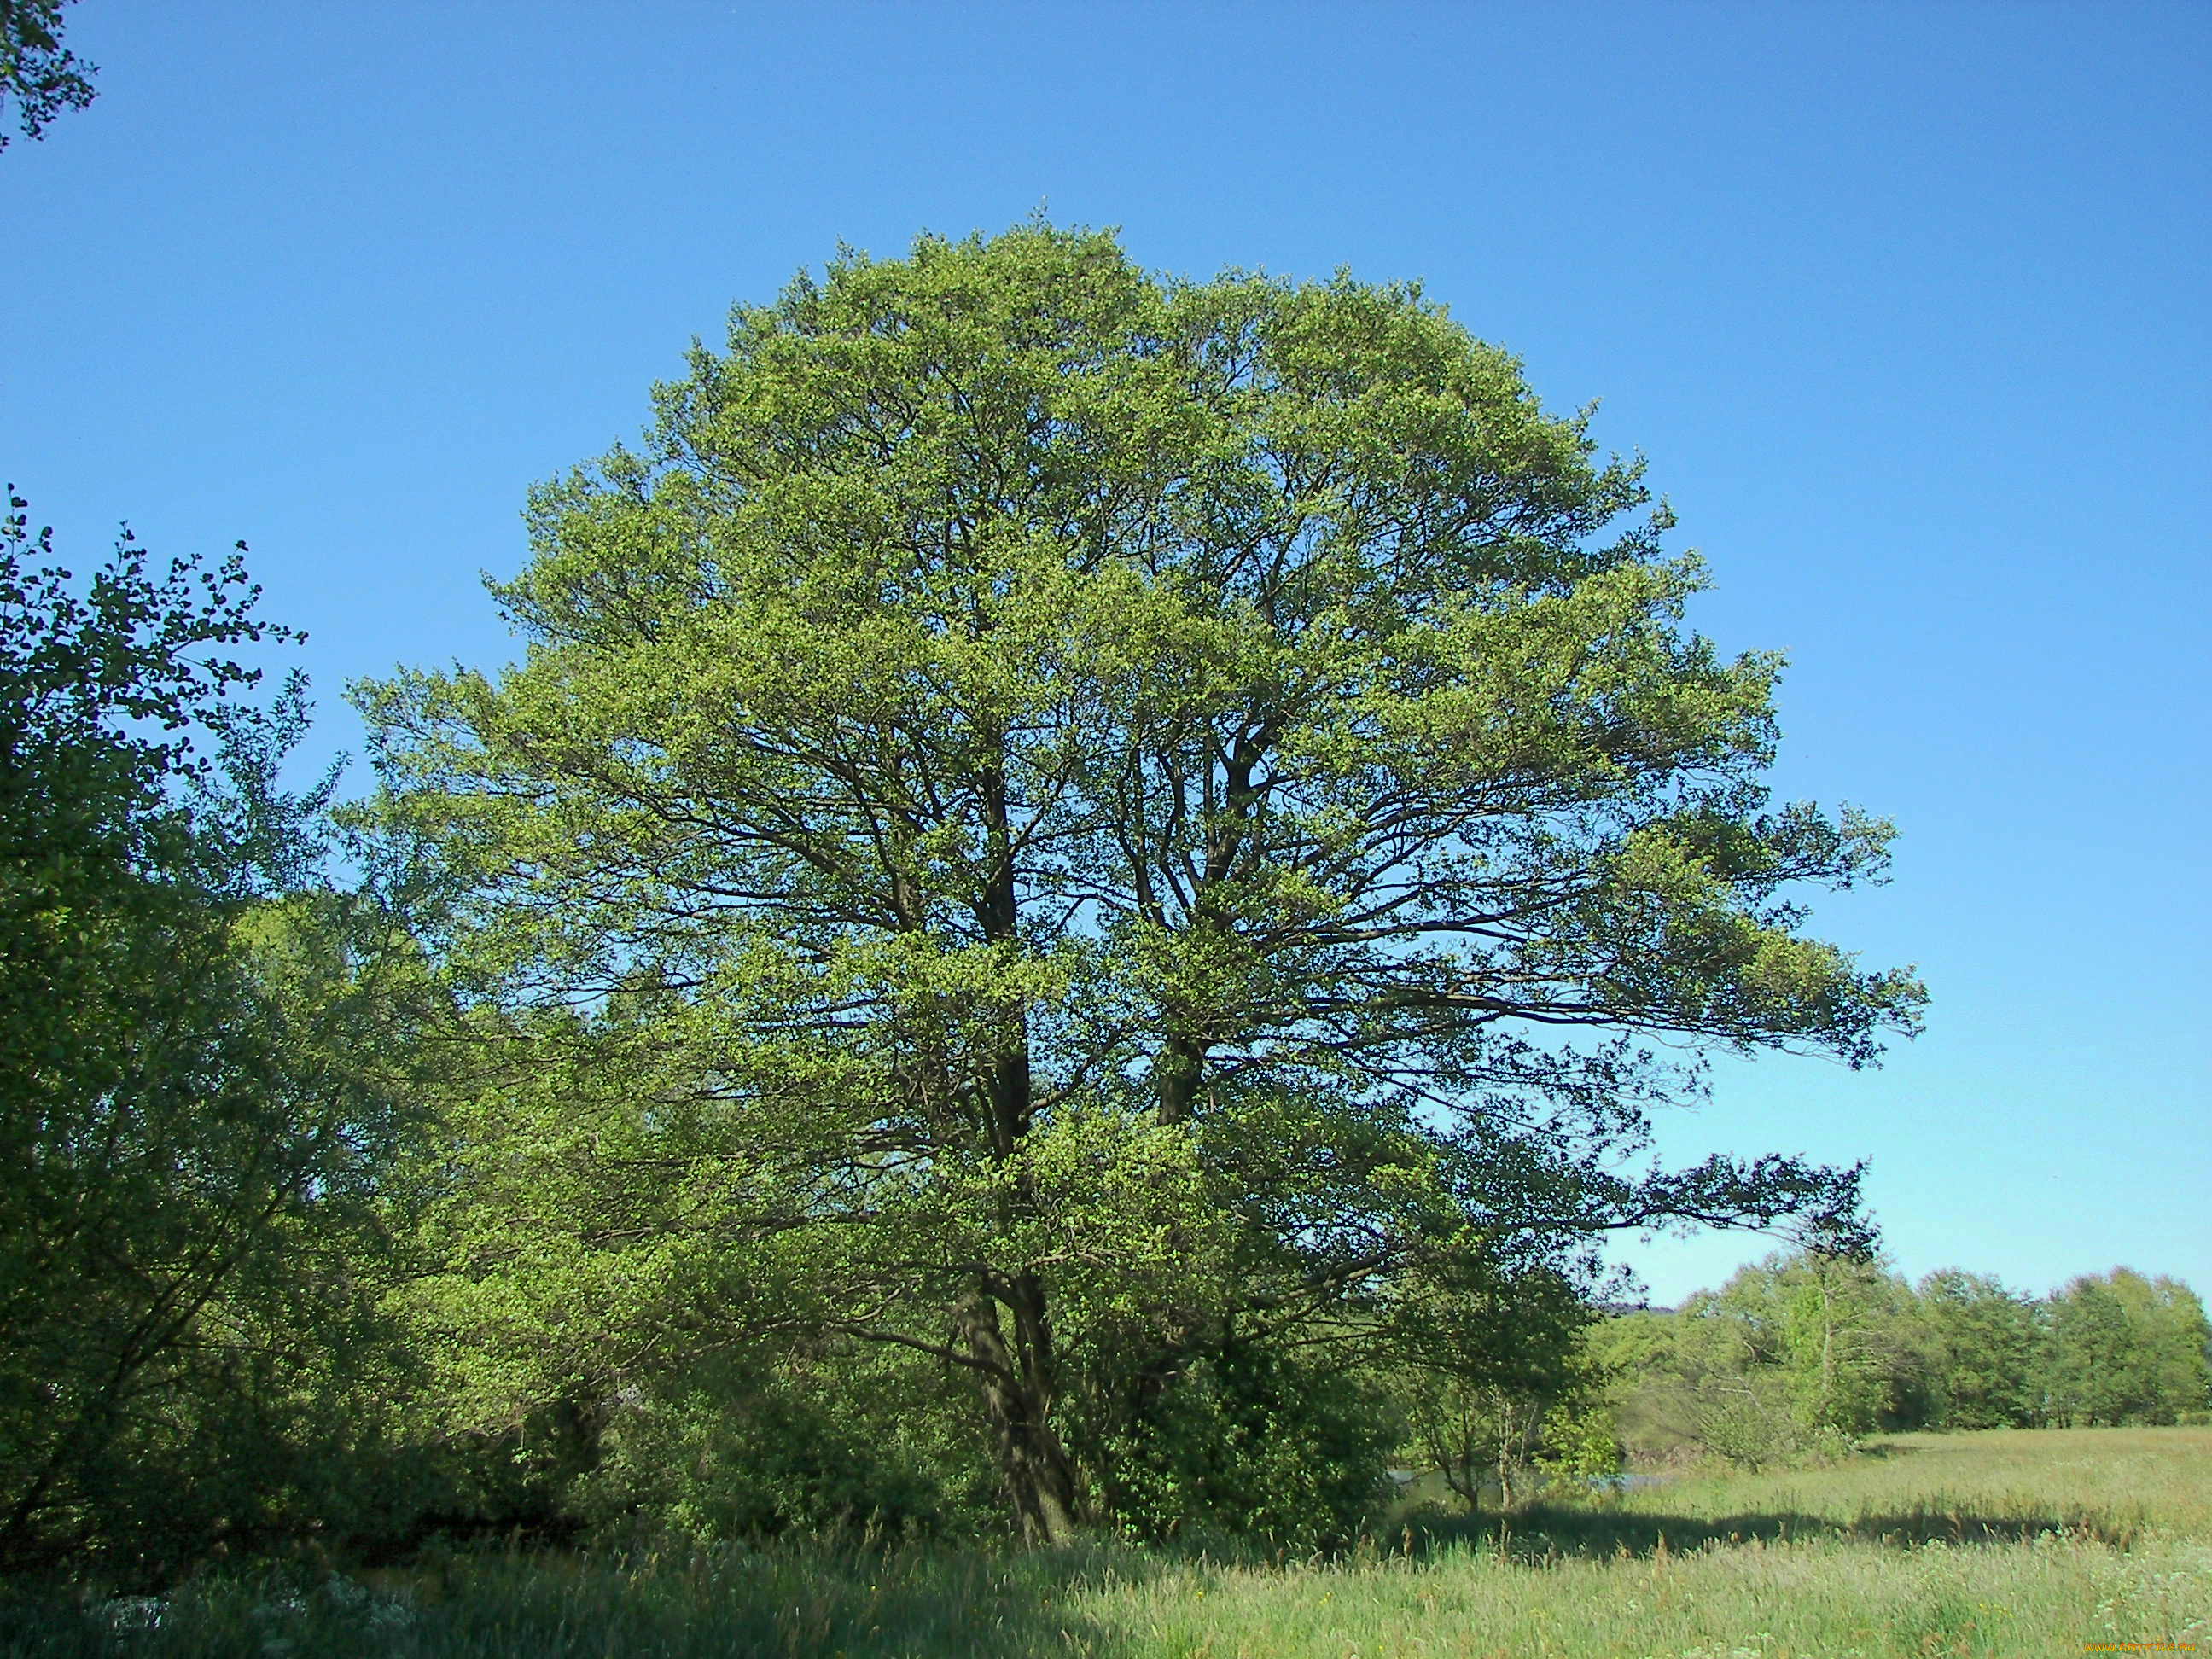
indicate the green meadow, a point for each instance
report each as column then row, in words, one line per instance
column 2007, row 1542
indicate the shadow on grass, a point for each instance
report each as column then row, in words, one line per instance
column 1597, row 1533
column 730, row 1604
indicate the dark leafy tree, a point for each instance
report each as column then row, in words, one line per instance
column 40, row 76
column 184, row 1140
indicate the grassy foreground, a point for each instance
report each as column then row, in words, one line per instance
column 1986, row 1544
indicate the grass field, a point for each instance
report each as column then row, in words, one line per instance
column 2026, row 1543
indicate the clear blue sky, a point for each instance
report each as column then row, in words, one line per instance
column 1906, row 304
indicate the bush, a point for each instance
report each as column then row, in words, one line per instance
column 761, row 1459
column 1254, row 1441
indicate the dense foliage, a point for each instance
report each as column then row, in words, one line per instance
column 189, row 1130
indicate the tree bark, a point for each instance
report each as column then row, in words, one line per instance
column 1040, row 1476
column 1017, row 1374
column 1182, row 1064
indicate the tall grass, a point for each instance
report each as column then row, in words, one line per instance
column 2105, row 1480
column 1997, row 1544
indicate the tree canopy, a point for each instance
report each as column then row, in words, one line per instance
column 1137, row 838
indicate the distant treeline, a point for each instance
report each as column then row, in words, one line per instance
column 1803, row 1351
column 1803, row 1356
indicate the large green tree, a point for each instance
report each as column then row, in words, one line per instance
column 1067, row 821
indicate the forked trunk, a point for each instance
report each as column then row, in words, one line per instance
column 1040, row 1476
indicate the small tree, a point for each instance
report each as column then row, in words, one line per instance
column 1500, row 1382
column 1849, row 1347
column 1793, row 1355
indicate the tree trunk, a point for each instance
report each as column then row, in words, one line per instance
column 1040, row 1476
column 1182, row 1063
column 1017, row 1375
